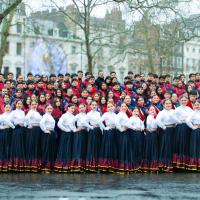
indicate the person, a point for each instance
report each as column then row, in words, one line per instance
column 33, row 139
column 79, row 147
column 5, row 135
column 17, row 160
column 123, row 156
column 136, row 134
column 193, row 121
column 182, row 135
column 94, row 138
column 48, row 140
column 150, row 162
column 108, row 152
column 67, row 125
column 166, row 120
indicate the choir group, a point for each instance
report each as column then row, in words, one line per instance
column 67, row 124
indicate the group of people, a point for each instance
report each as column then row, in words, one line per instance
column 71, row 123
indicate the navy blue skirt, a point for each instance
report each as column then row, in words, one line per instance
column 93, row 149
column 5, row 139
column 48, row 151
column 166, row 149
column 181, row 146
column 136, row 149
column 194, row 152
column 64, row 155
column 150, row 161
column 33, row 149
column 17, row 161
column 108, row 152
column 79, row 151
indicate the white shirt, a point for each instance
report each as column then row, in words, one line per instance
column 17, row 117
column 47, row 122
column 135, row 123
column 67, row 122
column 182, row 113
column 151, row 123
column 109, row 119
column 92, row 119
column 121, row 120
column 166, row 117
column 5, row 120
column 80, row 120
column 32, row 118
column 193, row 119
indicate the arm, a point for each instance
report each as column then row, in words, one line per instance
column 60, row 123
column 101, row 124
column 86, row 122
column 159, row 121
column 189, row 122
column 42, row 124
column 129, row 123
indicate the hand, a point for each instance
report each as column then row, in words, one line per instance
column 107, row 128
column 77, row 130
column 164, row 127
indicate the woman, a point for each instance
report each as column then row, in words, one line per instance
column 193, row 122
column 166, row 120
column 48, row 140
column 94, row 138
column 5, row 137
column 136, row 134
column 17, row 150
column 26, row 104
column 33, row 139
column 67, row 126
column 150, row 162
column 41, row 104
column 108, row 152
column 182, row 135
column 79, row 147
column 103, row 106
column 123, row 156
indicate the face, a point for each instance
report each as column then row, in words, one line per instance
column 167, row 96
column 71, row 109
column 94, row 105
column 19, row 105
column 140, row 90
column 92, row 81
column 6, row 98
column 58, row 102
column 159, row 90
column 101, row 74
column 110, row 94
column 69, row 92
column 193, row 98
column 42, row 98
column 140, row 101
column 82, row 108
column 49, row 109
column 103, row 100
column 174, row 97
column 74, row 99
column 47, row 96
column 104, row 86
column 127, row 100
column 136, row 112
column 59, row 93
column 110, row 107
column 34, row 105
column 89, row 100
column 184, row 101
column 96, row 97
column 33, row 97
column 28, row 101
column 152, row 110
column 168, row 105
column 197, row 106
column 4, row 91
column 123, row 107
column 7, row 108
column 155, row 99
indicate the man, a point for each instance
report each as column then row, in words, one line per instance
column 100, row 79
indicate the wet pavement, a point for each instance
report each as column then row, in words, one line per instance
column 100, row 186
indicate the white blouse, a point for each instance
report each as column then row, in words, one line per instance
column 80, row 120
column 193, row 119
column 47, row 123
column 17, row 117
column 5, row 120
column 182, row 113
column 92, row 119
column 151, row 123
column 67, row 122
column 121, row 120
column 32, row 118
column 166, row 118
column 135, row 123
column 109, row 119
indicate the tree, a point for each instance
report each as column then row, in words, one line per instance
column 11, row 6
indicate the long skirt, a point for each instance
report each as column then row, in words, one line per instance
column 64, row 155
column 93, row 149
column 108, row 153
column 79, row 151
column 181, row 146
column 5, row 138
column 150, row 162
column 33, row 149
column 124, row 152
column 136, row 149
column 194, row 152
column 166, row 149
column 48, row 151
column 17, row 161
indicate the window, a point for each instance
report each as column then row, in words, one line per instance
column 73, row 50
column 18, row 71
column 50, row 32
column 7, row 48
column 6, row 70
column 19, row 48
column 19, row 28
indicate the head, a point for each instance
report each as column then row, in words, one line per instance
column 82, row 108
column 7, row 108
column 71, row 108
column 123, row 107
column 135, row 112
column 110, row 107
column 49, row 108
column 167, row 104
column 151, row 110
column 34, row 105
column 94, row 105
column 197, row 105
column 19, row 104
column 183, row 100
